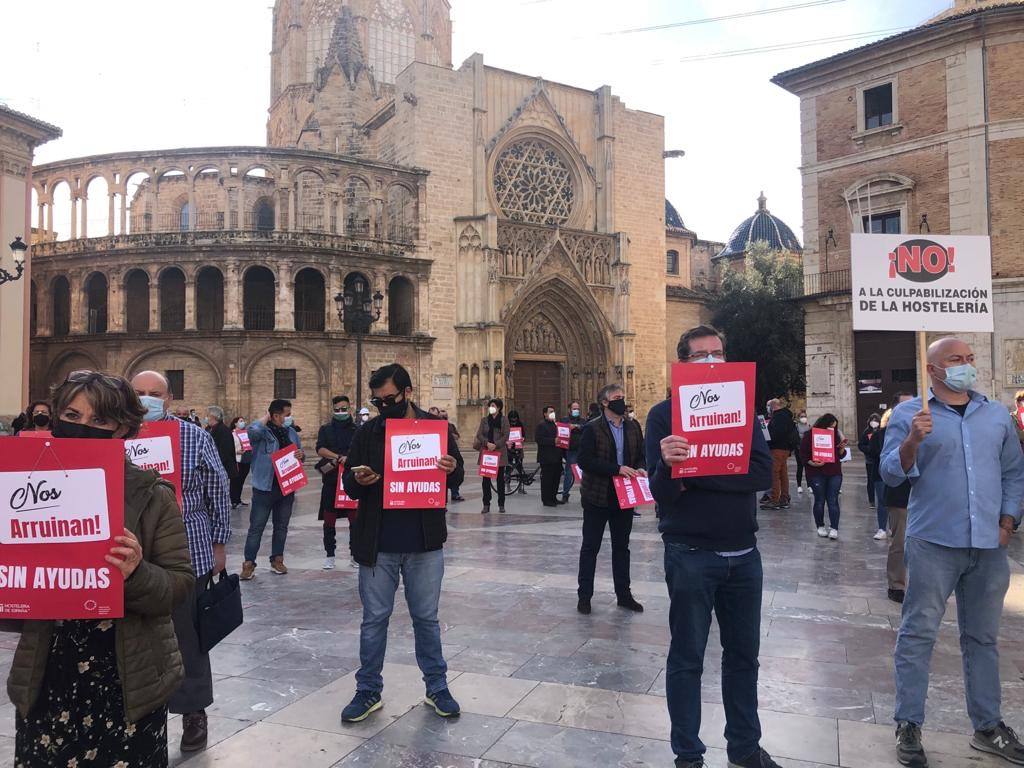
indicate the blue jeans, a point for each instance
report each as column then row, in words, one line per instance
column 699, row 582
column 421, row 572
column 568, row 478
column 264, row 505
column 880, row 509
column 826, row 490
column 980, row 578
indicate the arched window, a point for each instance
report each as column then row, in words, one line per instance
column 309, row 300
column 401, row 307
column 96, row 303
column 672, row 262
column 172, row 300
column 136, row 301
column 61, row 306
column 33, row 312
column 209, row 299
column 358, row 288
column 392, row 39
column 357, row 207
column 401, row 215
column 185, row 217
column 258, row 299
column 264, row 215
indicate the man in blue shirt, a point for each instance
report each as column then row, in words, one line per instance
column 966, row 471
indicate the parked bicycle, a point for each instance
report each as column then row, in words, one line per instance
column 517, row 478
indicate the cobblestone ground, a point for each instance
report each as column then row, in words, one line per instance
column 543, row 686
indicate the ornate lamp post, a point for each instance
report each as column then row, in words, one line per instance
column 358, row 312
column 18, row 251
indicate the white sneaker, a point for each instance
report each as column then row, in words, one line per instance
column 833, row 534
column 800, row 489
column 879, row 535
column 352, row 562
column 823, row 532
column 328, row 563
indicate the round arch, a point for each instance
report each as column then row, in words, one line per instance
column 60, row 363
column 247, row 367
column 135, row 363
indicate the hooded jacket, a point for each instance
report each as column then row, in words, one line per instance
column 148, row 660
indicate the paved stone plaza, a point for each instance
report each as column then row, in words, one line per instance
column 545, row 687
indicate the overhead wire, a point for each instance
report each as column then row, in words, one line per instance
column 727, row 17
column 787, row 46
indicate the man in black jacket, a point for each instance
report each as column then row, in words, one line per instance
column 332, row 444
column 711, row 564
column 575, row 422
column 223, row 440
column 389, row 544
column 783, row 440
column 549, row 456
column 610, row 446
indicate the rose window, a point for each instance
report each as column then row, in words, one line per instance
column 533, row 183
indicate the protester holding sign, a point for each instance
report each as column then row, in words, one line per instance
column 206, row 510
column 711, row 565
column 610, row 446
column 515, row 449
column 271, row 434
column 398, row 544
column 332, row 444
column 575, row 422
column 822, row 450
column 967, row 474
column 549, row 456
column 492, row 435
column 243, row 458
column 79, row 701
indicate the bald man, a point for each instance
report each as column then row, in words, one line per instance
column 206, row 509
column 966, row 471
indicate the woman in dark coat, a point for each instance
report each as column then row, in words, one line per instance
column 492, row 435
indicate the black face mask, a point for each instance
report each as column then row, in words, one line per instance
column 393, row 411
column 63, row 428
column 618, row 407
column 41, row 419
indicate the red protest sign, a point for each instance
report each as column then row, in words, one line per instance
column 632, row 491
column 713, row 408
column 288, row 469
column 341, row 499
column 489, row 463
column 158, row 447
column 1020, row 416
column 515, row 437
column 243, row 440
column 577, row 472
column 823, row 445
column 61, row 504
column 562, row 436
column 412, row 448
column 35, row 433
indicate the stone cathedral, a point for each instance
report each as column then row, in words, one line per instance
column 514, row 229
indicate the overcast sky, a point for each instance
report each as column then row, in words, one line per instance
column 121, row 75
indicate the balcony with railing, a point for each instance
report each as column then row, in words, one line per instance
column 259, row 319
column 818, row 284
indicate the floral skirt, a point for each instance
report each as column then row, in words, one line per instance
column 79, row 720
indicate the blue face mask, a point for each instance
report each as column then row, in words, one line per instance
column 288, row 421
column 960, row 378
column 154, row 408
column 707, row 359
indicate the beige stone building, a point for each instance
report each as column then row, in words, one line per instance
column 919, row 132
column 515, row 228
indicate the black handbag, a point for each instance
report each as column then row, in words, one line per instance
column 218, row 608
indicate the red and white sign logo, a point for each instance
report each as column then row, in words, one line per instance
column 921, row 261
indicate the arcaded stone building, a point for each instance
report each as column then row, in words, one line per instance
column 514, row 227
column 920, row 132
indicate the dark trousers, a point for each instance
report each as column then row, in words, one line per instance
column 620, row 524
column 550, row 474
column 700, row 582
column 499, row 482
column 871, row 468
column 799, row 472
column 196, row 691
column 826, row 491
column 237, row 482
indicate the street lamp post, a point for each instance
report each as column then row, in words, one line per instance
column 18, row 251
column 359, row 312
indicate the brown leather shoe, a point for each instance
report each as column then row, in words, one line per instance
column 278, row 567
column 194, row 733
column 248, row 570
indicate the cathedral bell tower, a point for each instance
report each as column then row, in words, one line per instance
column 334, row 64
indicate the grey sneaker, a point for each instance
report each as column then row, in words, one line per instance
column 1001, row 741
column 909, row 750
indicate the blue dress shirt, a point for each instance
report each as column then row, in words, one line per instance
column 969, row 471
column 619, row 436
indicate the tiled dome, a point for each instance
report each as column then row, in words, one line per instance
column 672, row 218
column 762, row 226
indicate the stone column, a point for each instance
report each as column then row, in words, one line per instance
column 74, row 216
column 124, row 211
column 284, row 319
column 232, row 298
column 154, row 301
column 115, row 300
column 44, row 306
column 78, row 321
column 110, row 213
column 84, row 230
column 49, row 215
column 40, row 224
column 334, row 288
column 190, row 302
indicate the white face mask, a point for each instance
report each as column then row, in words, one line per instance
column 873, row 424
column 552, row 416
column 803, row 419
column 492, row 410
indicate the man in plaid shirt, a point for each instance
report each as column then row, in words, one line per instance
column 206, row 509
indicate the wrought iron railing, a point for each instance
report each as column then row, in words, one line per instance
column 307, row 320
column 259, row 319
column 832, row 283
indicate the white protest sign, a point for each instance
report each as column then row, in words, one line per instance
column 53, row 507
column 922, row 283
column 414, row 453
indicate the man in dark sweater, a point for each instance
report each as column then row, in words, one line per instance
column 784, row 439
column 390, row 544
column 332, row 444
column 711, row 564
column 549, row 456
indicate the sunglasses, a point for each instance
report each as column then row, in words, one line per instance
column 382, row 402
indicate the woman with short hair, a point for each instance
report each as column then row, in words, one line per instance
column 92, row 692
column 492, row 435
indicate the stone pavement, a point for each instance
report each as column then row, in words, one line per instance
column 542, row 686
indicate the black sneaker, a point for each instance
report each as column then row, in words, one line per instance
column 897, row 595
column 443, row 703
column 1001, row 741
column 756, row 759
column 583, row 606
column 631, row 604
column 698, row 763
column 363, row 705
column 908, row 745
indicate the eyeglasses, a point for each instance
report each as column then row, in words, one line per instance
column 381, row 402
